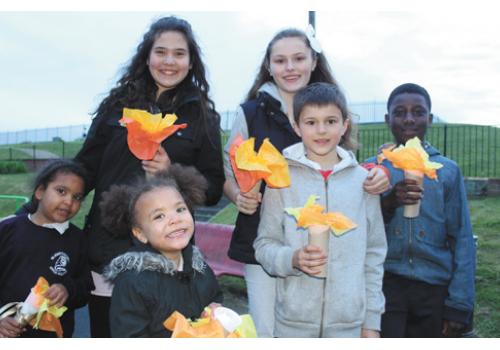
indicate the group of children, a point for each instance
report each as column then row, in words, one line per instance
column 390, row 276
column 162, row 273
column 415, row 278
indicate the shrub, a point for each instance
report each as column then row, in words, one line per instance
column 12, row 167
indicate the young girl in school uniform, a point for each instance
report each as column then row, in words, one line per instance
column 43, row 243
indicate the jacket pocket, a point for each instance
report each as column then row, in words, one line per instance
column 432, row 235
column 299, row 299
column 348, row 306
column 433, row 247
column 395, row 243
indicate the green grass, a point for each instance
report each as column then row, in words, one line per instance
column 11, row 153
column 486, row 225
column 226, row 215
column 62, row 149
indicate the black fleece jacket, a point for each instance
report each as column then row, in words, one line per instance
column 148, row 289
column 106, row 156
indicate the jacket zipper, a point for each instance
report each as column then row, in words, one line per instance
column 324, row 281
column 410, row 234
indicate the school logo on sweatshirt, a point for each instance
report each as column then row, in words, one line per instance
column 60, row 261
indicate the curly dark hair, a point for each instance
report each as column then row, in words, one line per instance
column 118, row 205
column 322, row 72
column 409, row 88
column 137, row 88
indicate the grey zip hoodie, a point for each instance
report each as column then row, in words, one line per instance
column 351, row 297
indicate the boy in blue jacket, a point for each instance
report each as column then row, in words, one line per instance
column 430, row 264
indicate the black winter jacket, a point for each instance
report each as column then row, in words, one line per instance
column 264, row 119
column 106, row 156
column 148, row 289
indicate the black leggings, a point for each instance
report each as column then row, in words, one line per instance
column 99, row 316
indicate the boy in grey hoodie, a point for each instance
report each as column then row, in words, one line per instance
column 349, row 301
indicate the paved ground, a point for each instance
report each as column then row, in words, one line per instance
column 39, row 154
column 82, row 325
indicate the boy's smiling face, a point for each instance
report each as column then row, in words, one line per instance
column 321, row 129
column 409, row 116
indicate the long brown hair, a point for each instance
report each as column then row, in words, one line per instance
column 322, row 72
column 137, row 88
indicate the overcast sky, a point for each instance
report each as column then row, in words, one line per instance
column 55, row 67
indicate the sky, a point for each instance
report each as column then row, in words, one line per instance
column 56, row 66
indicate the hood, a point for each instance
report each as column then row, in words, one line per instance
column 296, row 156
column 147, row 259
column 272, row 90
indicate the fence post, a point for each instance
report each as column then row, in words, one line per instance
column 445, row 139
column 62, row 142
column 495, row 152
column 358, row 137
column 10, row 153
column 34, row 156
column 475, row 147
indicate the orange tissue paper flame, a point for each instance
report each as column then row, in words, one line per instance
column 207, row 327
column 47, row 318
column 412, row 156
column 249, row 167
column 313, row 214
column 145, row 131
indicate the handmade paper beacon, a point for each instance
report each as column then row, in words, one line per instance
column 312, row 214
column 414, row 161
column 35, row 310
column 412, row 157
column 145, row 131
column 319, row 224
column 250, row 168
column 225, row 324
